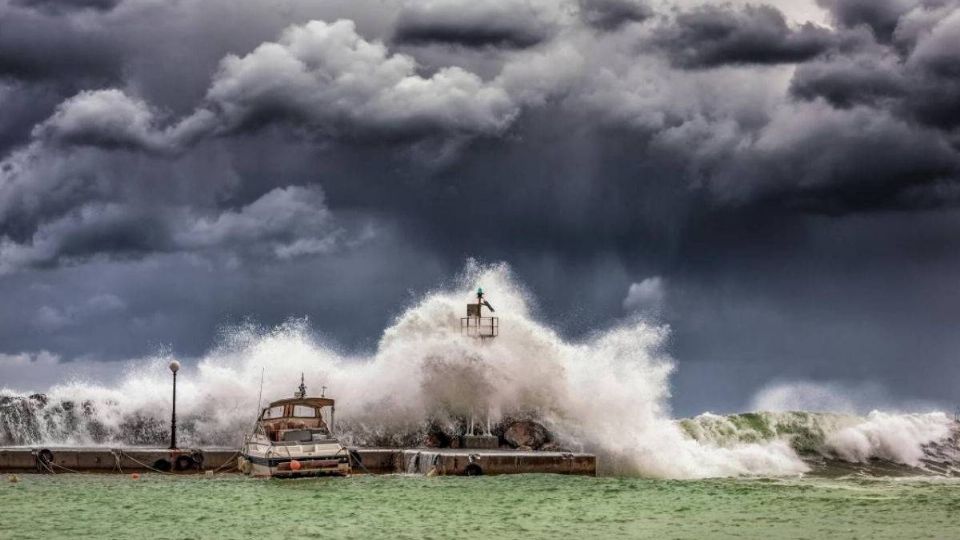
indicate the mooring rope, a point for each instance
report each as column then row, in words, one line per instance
column 68, row 469
column 357, row 459
column 144, row 465
column 227, row 462
column 117, row 459
column 46, row 466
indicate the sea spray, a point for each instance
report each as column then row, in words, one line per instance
column 607, row 394
column 895, row 437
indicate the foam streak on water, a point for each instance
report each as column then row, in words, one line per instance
column 607, row 394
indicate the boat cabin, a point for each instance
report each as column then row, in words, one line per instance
column 298, row 420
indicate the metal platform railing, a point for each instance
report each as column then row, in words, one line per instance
column 481, row 327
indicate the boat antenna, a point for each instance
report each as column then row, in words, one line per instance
column 259, row 399
column 260, row 396
column 302, row 392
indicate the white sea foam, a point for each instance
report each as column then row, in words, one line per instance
column 895, row 437
column 608, row 394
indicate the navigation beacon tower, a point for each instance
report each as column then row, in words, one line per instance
column 475, row 324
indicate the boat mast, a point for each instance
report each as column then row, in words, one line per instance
column 302, row 392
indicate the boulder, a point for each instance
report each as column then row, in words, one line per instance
column 437, row 436
column 553, row 447
column 526, row 433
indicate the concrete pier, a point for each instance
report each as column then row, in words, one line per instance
column 120, row 460
column 370, row 460
column 476, row 462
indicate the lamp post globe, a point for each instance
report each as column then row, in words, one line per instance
column 174, row 366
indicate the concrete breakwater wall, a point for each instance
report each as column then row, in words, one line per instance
column 367, row 460
column 472, row 461
column 118, row 460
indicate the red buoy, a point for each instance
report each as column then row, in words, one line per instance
column 295, row 465
column 135, row 476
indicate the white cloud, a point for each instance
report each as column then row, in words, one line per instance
column 321, row 75
column 647, row 297
column 292, row 221
column 328, row 77
column 105, row 118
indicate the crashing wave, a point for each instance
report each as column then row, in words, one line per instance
column 882, row 442
column 607, row 394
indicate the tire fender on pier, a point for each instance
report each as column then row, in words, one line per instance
column 44, row 459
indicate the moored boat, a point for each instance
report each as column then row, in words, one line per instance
column 294, row 437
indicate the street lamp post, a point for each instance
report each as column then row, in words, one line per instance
column 174, row 367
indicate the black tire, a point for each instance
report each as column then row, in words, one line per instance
column 197, row 459
column 184, row 463
column 44, row 460
column 473, row 470
column 162, row 465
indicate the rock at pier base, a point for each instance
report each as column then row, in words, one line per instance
column 526, row 434
column 490, row 442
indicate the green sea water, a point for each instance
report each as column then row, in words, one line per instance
column 526, row 506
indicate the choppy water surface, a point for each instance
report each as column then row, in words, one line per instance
column 527, row 506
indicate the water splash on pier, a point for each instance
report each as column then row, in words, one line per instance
column 606, row 394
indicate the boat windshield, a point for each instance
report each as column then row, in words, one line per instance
column 294, row 422
column 273, row 412
column 295, row 411
column 304, row 411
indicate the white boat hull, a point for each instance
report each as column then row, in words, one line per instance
column 293, row 461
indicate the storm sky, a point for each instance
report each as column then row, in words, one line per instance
column 780, row 183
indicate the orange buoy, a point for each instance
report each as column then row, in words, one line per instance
column 135, row 476
column 295, row 465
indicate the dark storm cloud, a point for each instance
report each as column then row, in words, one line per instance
column 919, row 79
column 284, row 223
column 22, row 106
column 499, row 23
column 38, row 48
column 817, row 159
column 612, row 14
column 172, row 167
column 711, row 36
column 881, row 16
column 59, row 6
column 847, row 81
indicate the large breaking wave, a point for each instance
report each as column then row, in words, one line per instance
column 607, row 394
